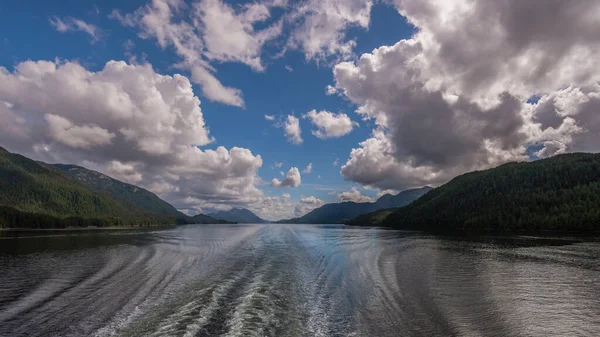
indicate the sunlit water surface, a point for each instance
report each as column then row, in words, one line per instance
column 296, row 280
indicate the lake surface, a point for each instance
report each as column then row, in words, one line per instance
column 296, row 280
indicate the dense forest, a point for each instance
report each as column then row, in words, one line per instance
column 371, row 219
column 38, row 195
column 127, row 193
column 558, row 193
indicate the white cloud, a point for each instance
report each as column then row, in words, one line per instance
column 206, row 31
column 289, row 69
column 354, row 195
column 330, row 125
column 292, row 179
column 311, row 201
column 453, row 98
column 269, row 117
column 131, row 172
column 384, row 192
column 292, row 131
column 306, row 205
column 321, row 27
column 213, row 89
column 308, row 168
column 126, row 121
column 277, row 164
column 330, row 90
column 276, row 208
column 68, row 24
column 548, row 48
column 161, row 20
column 231, row 36
column 336, row 162
column 63, row 131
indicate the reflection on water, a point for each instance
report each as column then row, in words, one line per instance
column 296, row 280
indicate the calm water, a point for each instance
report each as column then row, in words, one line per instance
column 296, row 280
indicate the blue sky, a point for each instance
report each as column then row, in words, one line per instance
column 293, row 82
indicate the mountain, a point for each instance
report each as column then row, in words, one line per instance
column 558, row 193
column 36, row 194
column 340, row 212
column 371, row 219
column 205, row 219
column 120, row 190
column 239, row 215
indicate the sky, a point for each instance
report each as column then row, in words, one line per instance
column 282, row 106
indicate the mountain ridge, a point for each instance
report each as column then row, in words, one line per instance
column 560, row 193
column 238, row 215
column 335, row 213
column 120, row 190
column 41, row 195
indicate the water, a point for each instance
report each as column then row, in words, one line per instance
column 296, row 280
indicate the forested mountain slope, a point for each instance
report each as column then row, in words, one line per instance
column 128, row 193
column 558, row 193
column 35, row 194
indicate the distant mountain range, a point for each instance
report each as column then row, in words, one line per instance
column 561, row 193
column 238, row 215
column 558, row 193
column 344, row 211
column 36, row 194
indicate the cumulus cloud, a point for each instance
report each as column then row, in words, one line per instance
column 454, row 97
column 306, row 205
column 354, row 195
column 68, row 24
column 63, row 131
column 320, row 27
column 292, row 179
column 206, row 31
column 330, row 125
column 270, row 117
column 308, row 168
column 311, row 201
column 277, row 164
column 292, row 131
column 276, row 208
column 126, row 121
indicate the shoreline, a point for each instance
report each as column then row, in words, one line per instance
column 80, row 229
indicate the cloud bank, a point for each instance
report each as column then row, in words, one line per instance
column 456, row 97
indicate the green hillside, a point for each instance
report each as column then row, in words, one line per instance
column 371, row 219
column 35, row 194
column 130, row 194
column 558, row 193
